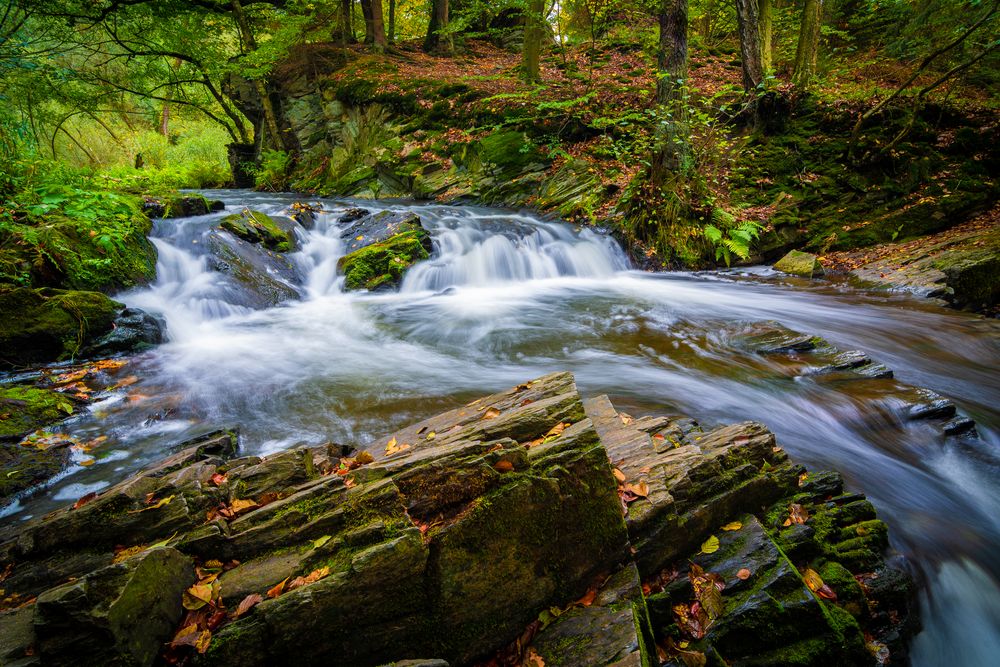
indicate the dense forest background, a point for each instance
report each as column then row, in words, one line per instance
column 703, row 131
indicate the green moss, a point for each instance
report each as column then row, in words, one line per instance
column 383, row 264
column 25, row 409
column 257, row 227
column 47, row 324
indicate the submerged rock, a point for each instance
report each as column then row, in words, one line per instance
column 381, row 247
column 134, row 330
column 23, row 410
column 800, row 263
column 496, row 524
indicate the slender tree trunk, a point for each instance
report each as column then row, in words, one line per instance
column 672, row 63
column 533, row 32
column 708, row 20
column 392, row 22
column 347, row 19
column 766, row 31
column 750, row 45
column 374, row 24
column 270, row 118
column 435, row 41
column 808, row 48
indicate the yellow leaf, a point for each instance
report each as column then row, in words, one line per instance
column 359, row 238
column 203, row 641
column 812, row 579
column 491, row 413
column 710, row 546
column 241, row 505
column 317, row 543
column 735, row 525
column 197, row 596
column 87, row 462
column 431, row 435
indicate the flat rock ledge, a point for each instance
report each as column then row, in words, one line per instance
column 527, row 527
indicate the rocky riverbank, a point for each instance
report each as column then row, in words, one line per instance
column 527, row 525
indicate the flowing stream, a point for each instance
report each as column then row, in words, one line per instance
column 508, row 297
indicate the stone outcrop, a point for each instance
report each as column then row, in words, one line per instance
column 381, row 247
column 180, row 206
column 529, row 523
column 260, row 278
column 274, row 233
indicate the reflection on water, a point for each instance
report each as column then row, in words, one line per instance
column 508, row 297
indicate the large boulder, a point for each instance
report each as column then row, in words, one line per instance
column 274, row 233
column 260, row 278
column 41, row 325
column 180, row 206
column 380, row 249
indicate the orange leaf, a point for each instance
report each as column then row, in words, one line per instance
column 277, row 589
column 242, row 505
column 316, row 575
column 619, row 475
column 588, row 598
column 84, row 500
column 798, row 513
column 503, row 466
column 218, row 479
column 743, row 574
column 204, row 639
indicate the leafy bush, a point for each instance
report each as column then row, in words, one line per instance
column 273, row 171
column 729, row 237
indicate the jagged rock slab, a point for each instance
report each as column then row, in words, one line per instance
column 260, row 277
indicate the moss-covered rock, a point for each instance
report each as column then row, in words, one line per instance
column 382, row 265
column 257, row 227
column 25, row 409
column 43, row 325
column 800, row 263
column 180, row 206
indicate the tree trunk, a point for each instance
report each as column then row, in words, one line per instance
column 374, row 24
column 435, row 41
column 165, row 118
column 750, row 45
column 270, row 118
column 392, row 22
column 533, row 32
column 766, row 31
column 808, row 48
column 672, row 62
column 707, row 22
column 347, row 19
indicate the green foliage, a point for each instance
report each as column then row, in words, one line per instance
column 731, row 239
column 273, row 171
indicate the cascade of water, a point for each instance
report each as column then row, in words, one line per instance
column 507, row 297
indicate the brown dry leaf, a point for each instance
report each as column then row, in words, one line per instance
column 87, row 462
column 242, row 505
column 126, row 553
column 797, row 513
column 503, row 466
column 393, row 448
column 363, row 458
column 349, row 482
column 556, row 430
column 640, row 489
column 787, row 522
column 248, row 603
column 491, row 413
column 84, row 500
column 626, row 419
column 588, row 598
column 295, row 583
column 735, row 525
column 125, row 382
column 619, row 475
column 277, row 589
column 532, row 659
column 316, row 575
column 186, row 636
column 218, row 479
column 743, row 574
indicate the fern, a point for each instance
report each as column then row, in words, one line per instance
column 729, row 239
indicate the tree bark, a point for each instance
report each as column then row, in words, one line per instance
column 533, row 32
column 672, row 55
column 270, row 118
column 347, row 19
column 435, row 41
column 808, row 48
column 672, row 63
column 766, row 31
column 392, row 22
column 750, row 44
column 374, row 23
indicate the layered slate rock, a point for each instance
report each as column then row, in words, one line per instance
column 180, row 206
column 381, row 247
column 497, row 524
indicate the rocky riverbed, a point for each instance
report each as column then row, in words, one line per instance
column 530, row 522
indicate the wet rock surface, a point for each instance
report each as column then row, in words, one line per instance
column 261, row 278
column 179, row 206
column 381, row 247
column 274, row 233
column 530, row 518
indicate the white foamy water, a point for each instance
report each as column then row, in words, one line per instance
column 507, row 297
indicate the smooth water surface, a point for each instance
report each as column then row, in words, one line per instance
column 508, row 297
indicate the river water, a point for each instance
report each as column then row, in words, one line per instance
column 508, row 297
